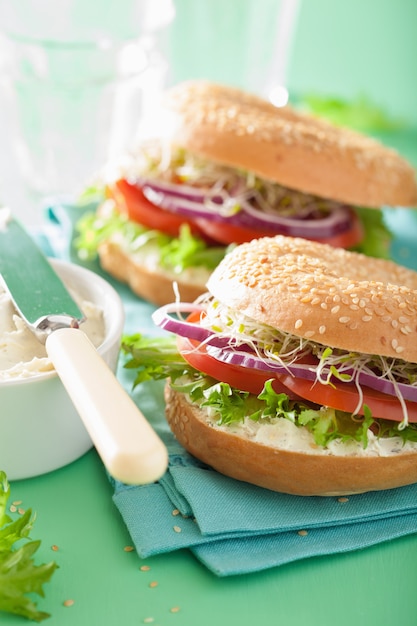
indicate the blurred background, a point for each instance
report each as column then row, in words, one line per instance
column 347, row 49
column 355, row 62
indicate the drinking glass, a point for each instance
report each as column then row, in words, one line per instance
column 246, row 43
column 76, row 80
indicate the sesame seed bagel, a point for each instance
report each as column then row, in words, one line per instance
column 337, row 298
column 297, row 150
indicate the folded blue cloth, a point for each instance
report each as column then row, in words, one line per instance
column 230, row 526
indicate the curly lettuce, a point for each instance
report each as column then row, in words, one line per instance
column 19, row 575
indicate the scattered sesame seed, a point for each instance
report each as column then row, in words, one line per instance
column 128, row 548
column 12, row 508
column 54, row 548
column 322, row 330
column 21, row 511
column 17, row 502
column 68, row 602
column 177, row 529
column 153, row 584
column 174, row 609
column 145, row 568
column 302, row 533
column 175, row 512
column 343, row 499
column 148, row 620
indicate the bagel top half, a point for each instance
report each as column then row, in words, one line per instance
column 294, row 149
column 338, row 298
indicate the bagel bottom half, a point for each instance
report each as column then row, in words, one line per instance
column 296, row 473
column 150, row 282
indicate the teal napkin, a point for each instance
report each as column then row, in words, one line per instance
column 230, row 526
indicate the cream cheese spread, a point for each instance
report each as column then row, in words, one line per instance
column 21, row 354
column 281, row 433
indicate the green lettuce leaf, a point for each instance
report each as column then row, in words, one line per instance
column 360, row 113
column 19, row 575
column 175, row 253
column 377, row 236
column 158, row 358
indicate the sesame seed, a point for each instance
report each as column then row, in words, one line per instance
column 17, row 502
column 335, row 309
column 128, row 548
column 144, row 568
column 343, row 499
column 344, row 319
column 177, row 529
column 366, row 318
column 298, row 324
column 174, row 609
column 12, row 508
column 302, row 533
column 21, row 511
column 54, row 548
column 148, row 620
column 405, row 330
column 68, row 602
column 153, row 584
column 322, row 330
column 175, row 512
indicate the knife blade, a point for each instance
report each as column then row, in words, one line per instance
column 128, row 446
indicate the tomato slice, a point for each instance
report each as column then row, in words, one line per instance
column 342, row 396
column 230, row 233
column 235, row 375
column 131, row 201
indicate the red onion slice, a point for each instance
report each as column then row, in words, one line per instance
column 194, row 203
column 252, row 361
column 307, row 371
column 162, row 317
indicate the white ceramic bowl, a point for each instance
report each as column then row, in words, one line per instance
column 40, row 429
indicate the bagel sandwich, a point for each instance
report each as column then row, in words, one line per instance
column 296, row 370
column 230, row 167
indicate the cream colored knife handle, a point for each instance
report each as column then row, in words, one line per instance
column 127, row 444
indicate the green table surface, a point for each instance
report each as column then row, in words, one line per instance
column 375, row 586
column 75, row 513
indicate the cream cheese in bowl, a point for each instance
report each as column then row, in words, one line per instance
column 40, row 430
column 21, row 354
